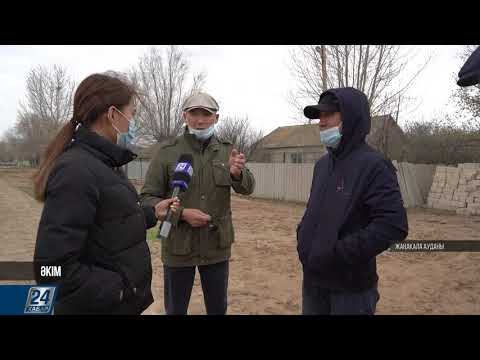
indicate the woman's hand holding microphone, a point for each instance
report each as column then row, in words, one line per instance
column 162, row 207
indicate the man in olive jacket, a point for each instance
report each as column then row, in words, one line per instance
column 202, row 231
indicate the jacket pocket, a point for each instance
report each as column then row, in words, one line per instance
column 320, row 252
column 222, row 232
column 91, row 297
column 304, row 236
column 180, row 240
column 221, row 173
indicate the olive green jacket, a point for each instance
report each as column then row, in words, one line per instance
column 209, row 191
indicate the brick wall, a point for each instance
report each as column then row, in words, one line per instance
column 456, row 188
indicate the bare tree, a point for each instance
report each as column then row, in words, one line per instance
column 49, row 95
column 240, row 132
column 446, row 141
column 32, row 135
column 6, row 154
column 49, row 103
column 11, row 142
column 468, row 98
column 373, row 69
column 162, row 82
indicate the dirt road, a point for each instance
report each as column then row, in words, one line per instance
column 265, row 275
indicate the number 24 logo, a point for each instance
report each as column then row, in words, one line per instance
column 44, row 298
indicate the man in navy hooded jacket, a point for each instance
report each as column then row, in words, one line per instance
column 355, row 210
column 469, row 74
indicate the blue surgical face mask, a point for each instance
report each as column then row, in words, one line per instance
column 203, row 134
column 125, row 139
column 331, row 137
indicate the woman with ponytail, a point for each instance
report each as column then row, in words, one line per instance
column 92, row 224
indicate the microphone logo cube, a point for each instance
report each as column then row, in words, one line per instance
column 184, row 167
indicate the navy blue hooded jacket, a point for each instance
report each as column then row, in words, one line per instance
column 469, row 74
column 355, row 210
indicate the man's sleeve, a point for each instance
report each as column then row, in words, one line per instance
column 155, row 187
column 246, row 184
column 388, row 218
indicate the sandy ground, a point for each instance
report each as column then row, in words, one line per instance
column 265, row 275
column 19, row 216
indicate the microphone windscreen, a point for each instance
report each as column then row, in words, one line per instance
column 183, row 171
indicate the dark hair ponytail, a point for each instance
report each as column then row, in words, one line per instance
column 53, row 151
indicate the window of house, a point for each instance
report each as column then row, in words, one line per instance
column 296, row 158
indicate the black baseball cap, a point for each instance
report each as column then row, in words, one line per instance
column 328, row 102
column 470, row 72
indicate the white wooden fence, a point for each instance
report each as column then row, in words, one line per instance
column 292, row 182
column 289, row 182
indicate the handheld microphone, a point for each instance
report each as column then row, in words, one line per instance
column 181, row 178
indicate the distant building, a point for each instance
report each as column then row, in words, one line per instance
column 301, row 143
column 290, row 144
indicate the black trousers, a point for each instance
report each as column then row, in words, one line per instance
column 319, row 301
column 178, row 284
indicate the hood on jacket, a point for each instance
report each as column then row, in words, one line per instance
column 356, row 120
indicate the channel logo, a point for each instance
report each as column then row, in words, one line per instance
column 40, row 300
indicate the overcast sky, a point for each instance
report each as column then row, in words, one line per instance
column 246, row 80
